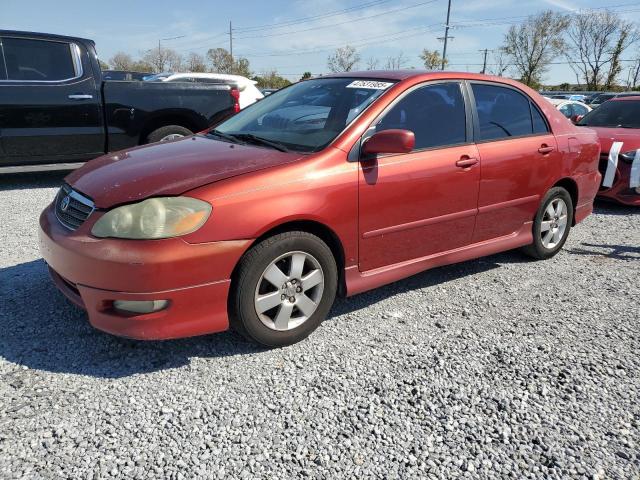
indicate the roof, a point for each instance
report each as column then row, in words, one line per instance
column 44, row 36
column 624, row 98
column 404, row 74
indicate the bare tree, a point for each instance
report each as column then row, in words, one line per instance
column 634, row 74
column 343, row 60
column 532, row 45
column 163, row 59
column 432, row 59
column 195, row 63
column 221, row 60
column 121, row 61
column 500, row 63
column 596, row 41
column 396, row 62
column 372, row 63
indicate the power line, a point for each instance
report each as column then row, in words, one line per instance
column 385, row 13
column 313, row 17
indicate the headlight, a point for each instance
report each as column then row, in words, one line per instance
column 628, row 156
column 153, row 218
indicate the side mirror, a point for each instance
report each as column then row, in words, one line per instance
column 577, row 118
column 390, row 141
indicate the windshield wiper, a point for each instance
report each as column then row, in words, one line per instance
column 224, row 136
column 260, row 141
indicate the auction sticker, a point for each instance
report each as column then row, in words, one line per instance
column 370, row 84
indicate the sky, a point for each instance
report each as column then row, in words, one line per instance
column 298, row 35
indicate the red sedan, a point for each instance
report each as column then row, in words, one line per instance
column 335, row 185
column 617, row 123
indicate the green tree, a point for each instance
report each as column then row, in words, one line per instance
column 306, row 76
column 271, row 79
column 432, row 59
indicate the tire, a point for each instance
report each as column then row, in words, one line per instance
column 278, row 315
column 161, row 134
column 550, row 227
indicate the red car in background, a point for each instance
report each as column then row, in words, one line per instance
column 618, row 120
column 333, row 185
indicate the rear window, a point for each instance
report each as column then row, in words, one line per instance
column 616, row 113
column 37, row 60
column 504, row 113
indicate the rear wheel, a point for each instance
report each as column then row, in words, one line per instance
column 284, row 289
column 170, row 132
column 551, row 225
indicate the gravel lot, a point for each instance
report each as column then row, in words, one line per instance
column 499, row 368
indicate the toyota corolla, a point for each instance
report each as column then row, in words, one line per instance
column 334, row 185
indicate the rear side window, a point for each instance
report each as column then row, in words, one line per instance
column 3, row 69
column 38, row 60
column 504, row 112
column 434, row 113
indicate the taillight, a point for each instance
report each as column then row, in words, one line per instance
column 235, row 94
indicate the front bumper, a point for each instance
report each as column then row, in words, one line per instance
column 620, row 191
column 92, row 273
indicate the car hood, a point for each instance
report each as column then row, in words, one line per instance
column 629, row 136
column 169, row 168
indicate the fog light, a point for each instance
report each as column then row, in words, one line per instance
column 140, row 306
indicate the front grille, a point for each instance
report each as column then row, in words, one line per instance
column 72, row 208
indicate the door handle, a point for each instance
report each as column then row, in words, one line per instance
column 466, row 162
column 545, row 149
column 80, row 96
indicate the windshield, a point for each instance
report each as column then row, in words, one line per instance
column 614, row 114
column 306, row 116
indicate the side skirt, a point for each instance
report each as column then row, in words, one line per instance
column 358, row 282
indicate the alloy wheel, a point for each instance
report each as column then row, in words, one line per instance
column 554, row 223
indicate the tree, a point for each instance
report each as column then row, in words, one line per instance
column 596, row 42
column 103, row 65
column 432, row 59
column 396, row 62
column 271, row 79
column 121, row 61
column 531, row 46
column 222, row 62
column 372, row 63
column 141, row 66
column 306, row 76
column 343, row 60
column 195, row 63
column 500, row 63
column 163, row 59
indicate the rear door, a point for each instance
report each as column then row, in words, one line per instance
column 421, row 203
column 519, row 156
column 49, row 103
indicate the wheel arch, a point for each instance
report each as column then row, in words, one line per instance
column 572, row 187
column 321, row 230
column 164, row 119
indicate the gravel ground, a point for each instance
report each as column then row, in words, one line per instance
column 495, row 368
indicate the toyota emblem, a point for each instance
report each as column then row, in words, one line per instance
column 64, row 204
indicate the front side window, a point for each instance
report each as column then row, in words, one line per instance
column 434, row 113
column 306, row 116
column 566, row 110
column 38, row 60
column 579, row 109
column 504, row 113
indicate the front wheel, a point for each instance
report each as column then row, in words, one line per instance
column 284, row 289
column 169, row 132
column 551, row 225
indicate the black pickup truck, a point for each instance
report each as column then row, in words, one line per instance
column 56, row 111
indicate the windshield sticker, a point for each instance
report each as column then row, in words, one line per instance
column 370, row 84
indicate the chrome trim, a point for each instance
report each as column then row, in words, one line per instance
column 67, row 190
column 76, row 57
column 80, row 96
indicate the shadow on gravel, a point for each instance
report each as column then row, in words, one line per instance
column 617, row 252
column 41, row 330
column 26, row 181
column 602, row 207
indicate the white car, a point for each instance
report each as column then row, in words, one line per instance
column 249, row 93
column 571, row 109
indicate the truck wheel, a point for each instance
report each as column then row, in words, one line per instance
column 170, row 132
column 551, row 225
column 284, row 289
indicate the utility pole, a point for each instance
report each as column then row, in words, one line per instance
column 230, row 41
column 484, row 66
column 160, row 49
column 446, row 37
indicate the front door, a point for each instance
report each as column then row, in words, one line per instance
column 49, row 103
column 424, row 202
